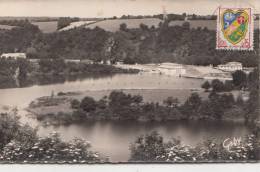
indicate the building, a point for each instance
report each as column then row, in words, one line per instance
column 72, row 60
column 230, row 66
column 14, row 55
column 86, row 61
column 172, row 69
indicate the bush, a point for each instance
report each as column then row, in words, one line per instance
column 206, row 85
column 75, row 104
column 228, row 86
column 49, row 149
column 88, row 104
column 147, row 148
column 61, row 94
column 152, row 148
column 21, row 144
column 217, row 85
column 239, row 78
column 10, row 128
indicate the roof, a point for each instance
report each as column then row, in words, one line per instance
column 231, row 63
column 234, row 63
column 14, row 55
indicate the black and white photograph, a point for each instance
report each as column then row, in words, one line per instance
column 129, row 81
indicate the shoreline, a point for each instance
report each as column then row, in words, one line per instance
column 57, row 110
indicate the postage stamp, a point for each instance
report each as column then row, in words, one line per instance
column 235, row 29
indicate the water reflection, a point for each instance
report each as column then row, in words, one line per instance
column 114, row 138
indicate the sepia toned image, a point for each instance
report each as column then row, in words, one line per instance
column 129, row 81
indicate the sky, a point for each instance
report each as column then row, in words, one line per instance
column 109, row 8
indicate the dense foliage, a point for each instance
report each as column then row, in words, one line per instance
column 152, row 148
column 179, row 44
column 22, row 73
column 65, row 21
column 240, row 80
column 121, row 106
column 20, row 144
column 21, row 23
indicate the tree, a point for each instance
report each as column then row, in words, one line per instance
column 147, row 148
column 123, row 27
column 88, row 104
column 216, row 105
column 144, row 27
column 75, row 104
column 186, row 25
column 65, row 21
column 217, row 85
column 253, row 79
column 240, row 101
column 191, row 105
column 137, row 99
column 171, row 102
column 194, row 100
column 227, row 100
column 228, row 86
column 239, row 78
column 206, row 85
column 10, row 129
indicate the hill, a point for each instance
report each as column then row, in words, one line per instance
column 113, row 25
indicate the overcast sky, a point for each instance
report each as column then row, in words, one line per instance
column 108, row 8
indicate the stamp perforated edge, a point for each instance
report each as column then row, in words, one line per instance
column 250, row 30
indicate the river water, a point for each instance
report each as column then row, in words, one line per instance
column 113, row 138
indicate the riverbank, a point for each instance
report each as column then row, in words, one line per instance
column 24, row 73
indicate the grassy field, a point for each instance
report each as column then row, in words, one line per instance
column 47, row 27
column 114, row 25
column 6, row 27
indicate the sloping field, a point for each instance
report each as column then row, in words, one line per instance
column 210, row 24
column 114, row 25
column 6, row 27
column 47, row 27
column 76, row 24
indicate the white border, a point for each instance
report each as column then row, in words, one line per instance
column 133, row 168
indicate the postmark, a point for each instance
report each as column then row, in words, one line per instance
column 235, row 29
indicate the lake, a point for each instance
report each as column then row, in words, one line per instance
column 21, row 97
column 113, row 138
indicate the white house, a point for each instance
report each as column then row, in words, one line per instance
column 14, row 55
column 86, row 61
column 230, row 66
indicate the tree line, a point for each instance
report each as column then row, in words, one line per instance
column 121, row 106
column 49, row 71
column 180, row 44
column 240, row 81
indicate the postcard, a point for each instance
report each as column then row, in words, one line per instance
column 129, row 81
